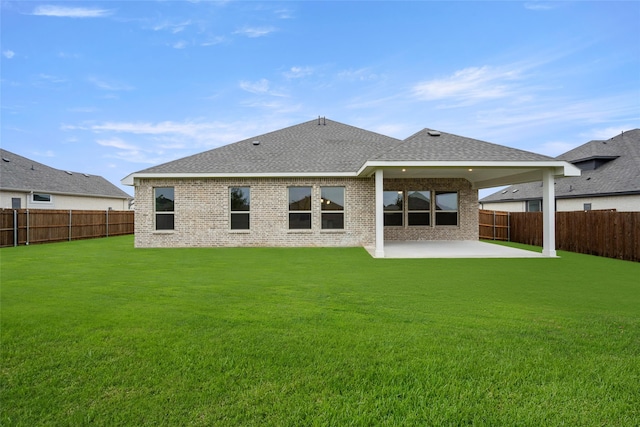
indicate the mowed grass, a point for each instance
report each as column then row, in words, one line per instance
column 97, row 332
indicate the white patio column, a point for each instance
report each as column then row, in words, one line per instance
column 548, row 214
column 379, row 214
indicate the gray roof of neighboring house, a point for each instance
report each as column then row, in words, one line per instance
column 619, row 173
column 19, row 173
column 325, row 146
column 321, row 146
column 429, row 144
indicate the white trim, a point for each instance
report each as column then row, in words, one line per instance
column 548, row 215
column 129, row 179
column 564, row 168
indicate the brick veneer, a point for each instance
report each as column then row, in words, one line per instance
column 202, row 213
column 467, row 228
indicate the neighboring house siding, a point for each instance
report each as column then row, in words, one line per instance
column 202, row 215
column 61, row 201
column 630, row 203
column 519, row 206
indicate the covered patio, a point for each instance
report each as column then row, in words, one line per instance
column 452, row 249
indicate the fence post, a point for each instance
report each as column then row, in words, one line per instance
column 107, row 225
column 15, row 228
column 70, row 214
column 27, row 238
column 494, row 225
column 508, row 226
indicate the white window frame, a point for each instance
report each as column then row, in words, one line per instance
column 298, row 211
column 410, row 211
column 157, row 212
column 331, row 211
column 233, row 212
column 436, row 210
column 41, row 202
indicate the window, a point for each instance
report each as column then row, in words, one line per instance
column 41, row 198
column 393, row 207
column 534, row 205
column 299, row 208
column 164, row 203
column 419, row 207
column 332, row 207
column 240, row 206
column 446, row 208
column 587, row 206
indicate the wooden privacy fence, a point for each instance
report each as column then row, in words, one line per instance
column 30, row 226
column 494, row 225
column 609, row 234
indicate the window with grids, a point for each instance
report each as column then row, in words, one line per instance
column 332, row 207
column 446, row 208
column 419, row 207
column 393, row 208
column 299, row 208
column 240, row 207
column 164, row 208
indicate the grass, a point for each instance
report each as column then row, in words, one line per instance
column 97, row 332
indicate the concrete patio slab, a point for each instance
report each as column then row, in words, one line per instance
column 453, row 249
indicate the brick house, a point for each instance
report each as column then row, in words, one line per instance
column 324, row 183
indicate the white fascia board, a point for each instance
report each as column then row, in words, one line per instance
column 561, row 167
column 129, row 180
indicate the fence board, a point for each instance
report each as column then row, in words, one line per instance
column 48, row 225
column 604, row 233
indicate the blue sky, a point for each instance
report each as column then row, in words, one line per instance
column 110, row 87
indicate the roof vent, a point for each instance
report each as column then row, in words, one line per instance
column 434, row 133
column 4, row 159
column 86, row 174
column 256, row 142
column 69, row 172
column 515, row 191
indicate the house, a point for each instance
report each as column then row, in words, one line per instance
column 610, row 179
column 27, row 184
column 324, row 183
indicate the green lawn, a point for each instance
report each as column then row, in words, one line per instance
column 97, row 332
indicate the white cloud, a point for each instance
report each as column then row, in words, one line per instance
column 181, row 44
column 261, row 87
column 8, row 54
column 298, row 72
column 254, row 32
column 116, row 143
column 470, row 85
column 362, row 74
column 71, row 12
column 109, row 84
column 540, row 5
column 174, row 28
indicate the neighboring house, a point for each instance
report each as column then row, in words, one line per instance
column 610, row 180
column 27, row 184
column 324, row 183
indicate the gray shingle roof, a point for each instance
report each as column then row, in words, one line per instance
column 23, row 174
column 305, row 148
column 441, row 146
column 619, row 175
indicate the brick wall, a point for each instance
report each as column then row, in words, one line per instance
column 202, row 213
column 467, row 228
